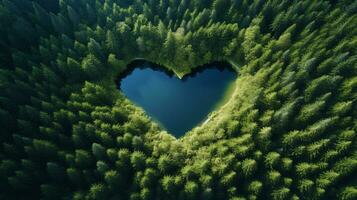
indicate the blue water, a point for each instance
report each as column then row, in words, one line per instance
column 177, row 105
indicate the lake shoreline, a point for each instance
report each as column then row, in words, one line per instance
column 178, row 104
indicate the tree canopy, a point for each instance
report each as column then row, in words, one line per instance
column 288, row 132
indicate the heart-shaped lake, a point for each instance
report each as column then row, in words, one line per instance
column 176, row 104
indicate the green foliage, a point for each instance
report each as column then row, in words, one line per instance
column 168, row 184
column 191, row 190
column 255, row 187
column 288, row 131
column 74, row 175
column 249, row 166
column 113, row 179
column 166, row 164
column 348, row 193
column 98, row 191
column 92, row 67
column 83, row 159
column 138, row 160
column 272, row 160
column 55, row 171
column 98, row 151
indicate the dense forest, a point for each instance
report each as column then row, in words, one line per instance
column 288, row 131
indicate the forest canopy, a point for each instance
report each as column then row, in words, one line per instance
column 289, row 131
